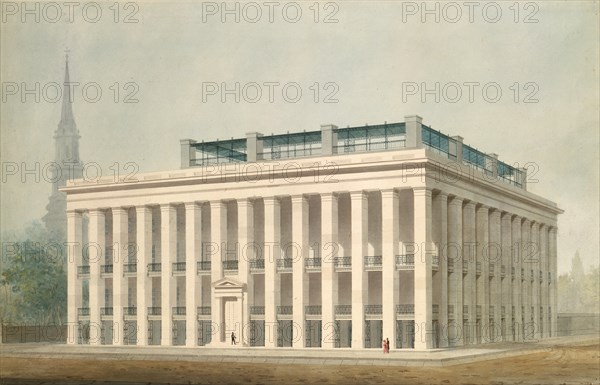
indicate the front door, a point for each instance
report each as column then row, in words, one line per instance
column 231, row 317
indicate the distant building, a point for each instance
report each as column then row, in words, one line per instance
column 67, row 164
column 333, row 238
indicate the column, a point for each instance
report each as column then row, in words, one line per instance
column 168, row 285
column 389, row 274
column 329, row 283
column 218, row 232
column 544, row 302
column 360, row 216
column 507, row 282
column 193, row 245
column 552, row 256
column 517, row 282
column 423, row 278
column 535, row 284
column 495, row 289
column 482, row 295
column 441, row 209
column 526, row 286
column 97, row 248
column 246, row 253
column 469, row 280
column 455, row 285
column 144, row 283
column 120, row 251
column 300, row 278
column 272, row 279
column 74, row 258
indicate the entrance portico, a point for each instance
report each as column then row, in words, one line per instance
column 229, row 300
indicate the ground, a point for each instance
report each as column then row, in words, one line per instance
column 556, row 365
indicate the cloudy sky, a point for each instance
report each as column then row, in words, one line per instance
column 362, row 57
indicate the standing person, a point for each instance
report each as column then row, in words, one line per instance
column 387, row 345
column 233, row 338
column 383, row 345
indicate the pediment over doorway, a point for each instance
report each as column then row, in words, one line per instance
column 228, row 283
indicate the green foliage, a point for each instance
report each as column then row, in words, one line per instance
column 33, row 278
column 578, row 291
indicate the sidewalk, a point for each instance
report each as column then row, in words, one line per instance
column 317, row 356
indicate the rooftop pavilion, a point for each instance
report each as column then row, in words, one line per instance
column 332, row 140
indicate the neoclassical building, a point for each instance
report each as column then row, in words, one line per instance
column 335, row 238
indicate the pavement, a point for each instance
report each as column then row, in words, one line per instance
column 316, row 356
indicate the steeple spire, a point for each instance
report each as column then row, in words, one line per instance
column 67, row 121
column 66, row 157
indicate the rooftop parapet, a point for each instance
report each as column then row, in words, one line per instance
column 331, row 140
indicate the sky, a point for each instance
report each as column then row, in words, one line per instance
column 168, row 71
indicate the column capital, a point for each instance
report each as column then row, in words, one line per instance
column 552, row 230
column 298, row 198
column 165, row 207
column 96, row 212
column 495, row 212
column 535, row 225
column 483, row 207
column 119, row 210
column 442, row 195
column 244, row 202
column 73, row 213
column 216, row 204
column 526, row 222
column 191, row 205
column 358, row 195
column 456, row 201
column 142, row 208
column 515, row 218
column 271, row 201
column 328, row 197
column 422, row 191
column 470, row 205
column 389, row 193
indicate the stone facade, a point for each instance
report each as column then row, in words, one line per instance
column 330, row 239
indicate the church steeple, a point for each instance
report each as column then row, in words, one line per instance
column 67, row 121
column 66, row 135
column 66, row 160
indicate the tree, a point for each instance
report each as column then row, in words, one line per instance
column 578, row 291
column 33, row 279
column 577, row 272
